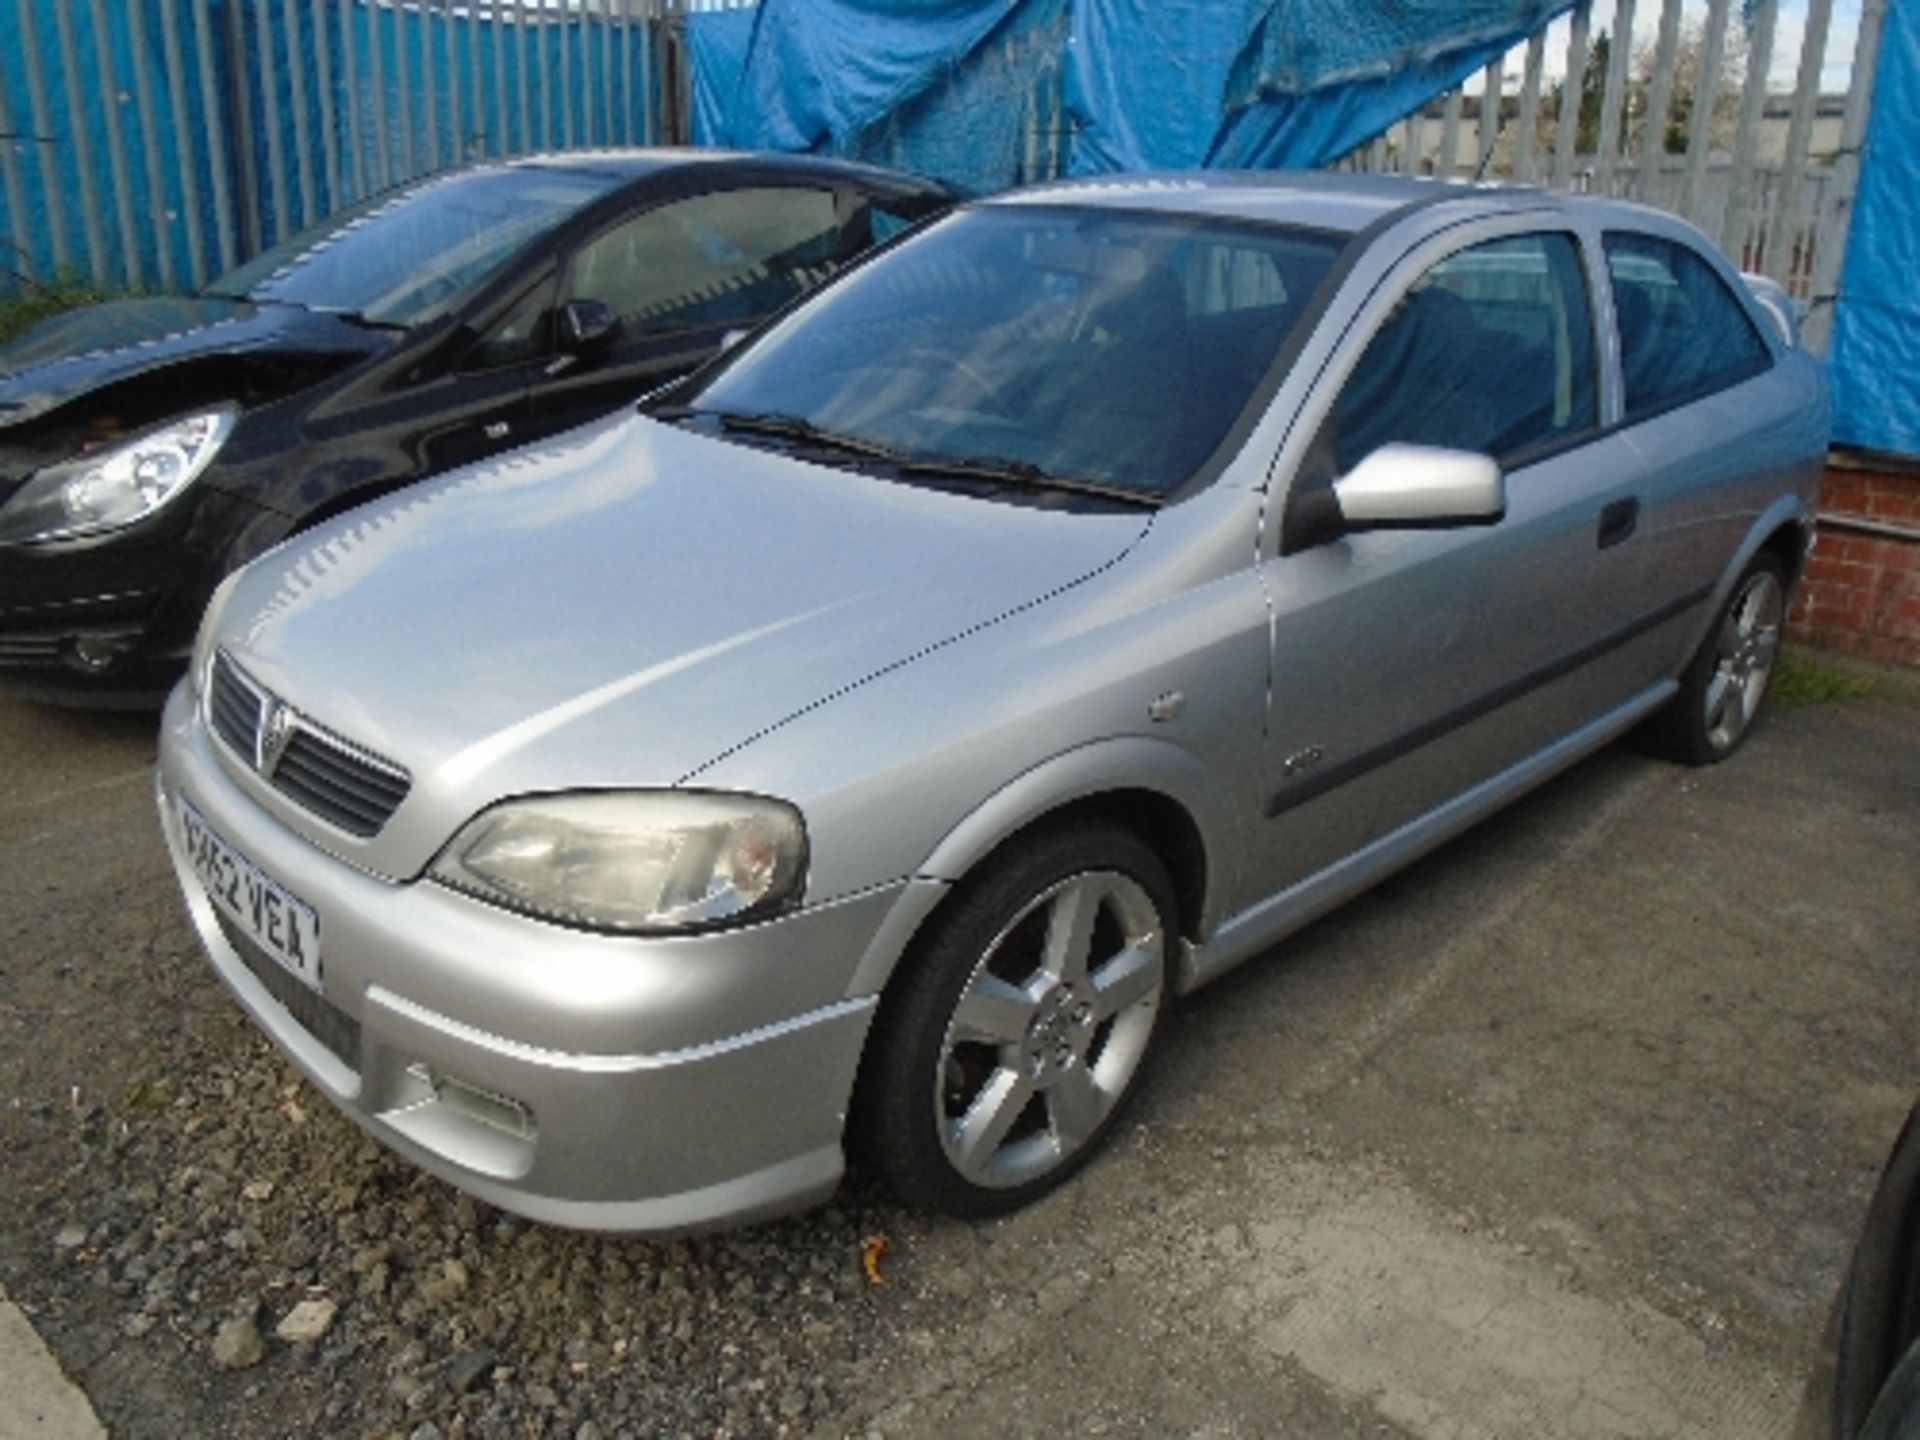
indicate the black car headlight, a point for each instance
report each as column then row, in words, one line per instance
column 117, row 485
column 640, row 862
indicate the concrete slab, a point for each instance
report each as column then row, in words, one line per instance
column 37, row 1401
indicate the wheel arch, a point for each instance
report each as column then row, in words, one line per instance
column 1791, row 541
column 1784, row 529
column 1167, row 818
column 1154, row 788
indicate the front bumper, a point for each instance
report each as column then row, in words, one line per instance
column 98, row 650
column 443, row 1024
column 110, row 621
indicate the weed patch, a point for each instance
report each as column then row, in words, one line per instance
column 1808, row 681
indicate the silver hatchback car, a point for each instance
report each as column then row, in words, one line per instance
column 865, row 742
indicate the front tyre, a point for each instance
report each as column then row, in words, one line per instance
column 1018, row 1028
column 1722, row 687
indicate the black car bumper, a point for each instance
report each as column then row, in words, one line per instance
column 94, row 650
column 110, row 623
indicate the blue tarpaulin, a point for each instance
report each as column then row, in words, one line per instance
column 1269, row 83
column 944, row 87
column 717, row 43
column 1177, row 55
column 1149, row 84
column 972, row 126
column 819, row 73
column 1875, row 362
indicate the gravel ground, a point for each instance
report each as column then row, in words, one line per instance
column 178, row 1202
column 231, row 1223
column 1615, row 1074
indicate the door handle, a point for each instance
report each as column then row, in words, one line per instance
column 1618, row 520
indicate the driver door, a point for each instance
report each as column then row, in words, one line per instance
column 481, row 407
column 1410, row 665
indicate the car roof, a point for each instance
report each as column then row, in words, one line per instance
column 1318, row 199
column 639, row 162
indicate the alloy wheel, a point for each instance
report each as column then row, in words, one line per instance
column 1747, row 646
column 1050, row 1029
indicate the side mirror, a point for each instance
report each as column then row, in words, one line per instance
column 1411, row 487
column 587, row 326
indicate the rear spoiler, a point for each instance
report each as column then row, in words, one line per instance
column 1785, row 311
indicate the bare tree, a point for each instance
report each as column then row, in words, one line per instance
column 1687, row 87
column 1593, row 83
column 1636, row 99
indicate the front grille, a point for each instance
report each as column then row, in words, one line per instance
column 234, row 708
column 317, row 770
column 29, row 649
column 338, row 786
column 316, row 1014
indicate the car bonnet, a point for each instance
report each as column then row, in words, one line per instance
column 618, row 607
column 97, row 346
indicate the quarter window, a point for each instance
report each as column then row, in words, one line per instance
column 1682, row 332
column 522, row 334
column 722, row 259
column 885, row 220
column 1490, row 351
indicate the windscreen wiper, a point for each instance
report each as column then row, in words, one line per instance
column 991, row 470
column 1025, row 475
column 362, row 320
column 801, row 431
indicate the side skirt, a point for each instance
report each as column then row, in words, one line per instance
column 1273, row 919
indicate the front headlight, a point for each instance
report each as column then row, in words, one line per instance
column 113, row 487
column 632, row 861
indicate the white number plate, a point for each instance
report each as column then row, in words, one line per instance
column 276, row 919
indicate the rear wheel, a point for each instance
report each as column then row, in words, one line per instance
column 1020, row 1027
column 1723, row 686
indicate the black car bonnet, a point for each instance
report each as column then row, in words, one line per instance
column 99, row 346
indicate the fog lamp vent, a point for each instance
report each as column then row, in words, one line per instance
column 484, row 1107
column 95, row 653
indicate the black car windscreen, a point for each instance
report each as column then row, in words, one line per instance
column 404, row 256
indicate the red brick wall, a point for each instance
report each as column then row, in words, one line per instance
column 1861, row 590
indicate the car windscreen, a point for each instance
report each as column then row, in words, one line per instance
column 402, row 257
column 1115, row 347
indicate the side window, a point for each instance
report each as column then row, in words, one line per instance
column 726, row 258
column 874, row 221
column 885, row 223
column 1682, row 332
column 525, row 333
column 1491, row 351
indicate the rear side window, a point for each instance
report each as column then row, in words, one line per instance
column 1490, row 351
column 1682, row 332
column 722, row 259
